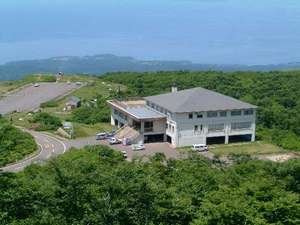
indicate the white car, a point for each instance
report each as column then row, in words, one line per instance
column 36, row 85
column 138, row 147
column 200, row 147
column 124, row 154
column 101, row 136
column 114, row 141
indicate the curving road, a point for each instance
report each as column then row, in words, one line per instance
column 48, row 147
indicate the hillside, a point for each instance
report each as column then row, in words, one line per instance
column 100, row 64
column 96, row 185
column 275, row 93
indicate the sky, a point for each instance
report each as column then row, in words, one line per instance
column 204, row 31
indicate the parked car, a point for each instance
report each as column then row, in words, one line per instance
column 138, row 147
column 124, row 154
column 200, row 147
column 101, row 136
column 36, row 85
column 110, row 134
column 114, row 141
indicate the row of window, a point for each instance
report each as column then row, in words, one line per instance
column 221, row 127
column 213, row 114
column 158, row 108
column 120, row 114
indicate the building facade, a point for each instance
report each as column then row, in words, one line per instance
column 184, row 118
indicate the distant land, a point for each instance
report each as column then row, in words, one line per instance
column 101, row 64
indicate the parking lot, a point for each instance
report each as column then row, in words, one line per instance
column 150, row 149
column 30, row 97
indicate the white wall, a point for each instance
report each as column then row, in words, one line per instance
column 185, row 136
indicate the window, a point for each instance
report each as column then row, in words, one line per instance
column 248, row 112
column 190, row 115
column 148, row 126
column 241, row 125
column 212, row 114
column 223, row 114
column 236, row 113
column 215, row 127
column 199, row 115
column 196, row 128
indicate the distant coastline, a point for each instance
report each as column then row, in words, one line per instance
column 101, row 64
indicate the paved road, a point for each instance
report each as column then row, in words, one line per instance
column 48, row 146
column 29, row 97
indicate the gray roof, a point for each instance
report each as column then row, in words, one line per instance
column 74, row 99
column 197, row 100
column 144, row 112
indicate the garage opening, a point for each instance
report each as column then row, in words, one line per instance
column 215, row 140
column 169, row 139
column 154, row 138
column 240, row 138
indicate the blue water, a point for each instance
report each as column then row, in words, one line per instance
column 204, row 31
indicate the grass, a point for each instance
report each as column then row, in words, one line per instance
column 94, row 86
column 84, row 130
column 7, row 86
column 253, row 148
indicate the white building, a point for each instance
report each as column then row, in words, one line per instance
column 184, row 118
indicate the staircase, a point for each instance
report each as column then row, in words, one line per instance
column 127, row 132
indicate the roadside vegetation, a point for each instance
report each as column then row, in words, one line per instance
column 14, row 143
column 276, row 94
column 255, row 148
column 96, row 185
column 46, row 122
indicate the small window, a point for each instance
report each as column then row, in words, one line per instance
column 199, row 115
column 212, row 114
column 223, row 114
column 236, row 113
column 248, row 112
column 190, row 115
column 196, row 128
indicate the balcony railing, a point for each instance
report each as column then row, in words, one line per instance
column 148, row 129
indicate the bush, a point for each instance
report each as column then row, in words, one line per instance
column 92, row 114
column 46, row 121
column 49, row 104
column 14, row 144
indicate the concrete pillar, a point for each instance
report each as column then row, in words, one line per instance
column 253, row 134
column 165, row 138
column 227, row 131
column 142, row 127
column 226, row 139
column 253, row 137
column 112, row 121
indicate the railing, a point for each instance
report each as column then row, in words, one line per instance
column 148, row 129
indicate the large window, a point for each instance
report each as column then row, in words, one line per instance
column 248, row 112
column 241, row 125
column 236, row 113
column 190, row 115
column 223, row 114
column 216, row 127
column 212, row 114
column 148, row 126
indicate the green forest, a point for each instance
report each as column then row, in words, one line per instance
column 97, row 186
column 276, row 93
column 14, row 143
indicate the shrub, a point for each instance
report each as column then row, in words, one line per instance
column 46, row 121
